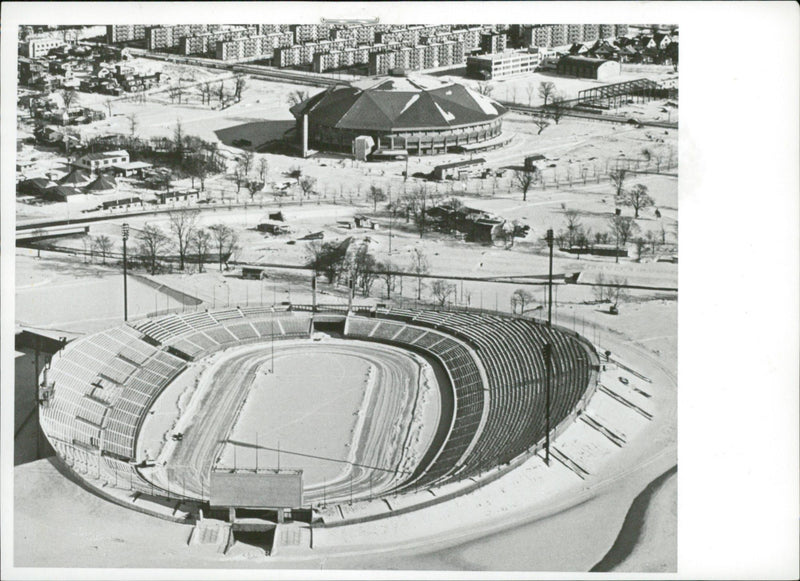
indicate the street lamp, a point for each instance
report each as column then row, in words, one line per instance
column 125, row 235
column 549, row 239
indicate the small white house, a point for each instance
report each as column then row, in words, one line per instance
column 95, row 162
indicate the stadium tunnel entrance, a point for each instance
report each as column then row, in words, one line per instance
column 259, row 536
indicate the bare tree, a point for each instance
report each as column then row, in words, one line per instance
column 485, row 89
column 307, row 185
column 329, row 258
column 224, row 240
column 599, row 289
column 152, row 243
column 419, row 266
column 364, row 269
column 421, row 198
column 524, row 179
column 557, row 108
column 520, row 297
column 239, row 84
column 263, row 169
column 103, row 244
column 617, row 293
column 200, row 242
column 205, row 92
column 546, row 90
column 376, row 194
column 541, row 122
column 178, row 138
column 253, row 186
column 246, row 161
column 530, row 88
column 239, row 177
column 640, row 245
column 182, row 224
column 618, row 180
column 69, row 96
column 638, row 198
column 442, row 291
column 221, row 92
column 623, row 228
column 573, row 225
column 133, row 122
column 387, row 269
column 296, row 173
column 296, row 97
column 652, row 239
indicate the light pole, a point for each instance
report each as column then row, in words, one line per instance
column 547, row 360
column 125, row 234
column 549, row 239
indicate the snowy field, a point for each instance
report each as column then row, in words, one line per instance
column 79, row 297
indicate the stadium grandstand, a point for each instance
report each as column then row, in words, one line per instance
column 98, row 389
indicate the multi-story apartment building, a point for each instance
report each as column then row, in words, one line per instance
column 124, row 32
column 605, row 30
column 493, row 42
column 558, row 35
column 591, row 32
column 574, row 33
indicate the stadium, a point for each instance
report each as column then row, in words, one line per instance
column 400, row 115
column 485, row 376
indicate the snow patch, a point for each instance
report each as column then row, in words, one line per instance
column 486, row 104
column 446, row 114
column 411, row 101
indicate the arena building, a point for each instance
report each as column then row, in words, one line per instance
column 401, row 115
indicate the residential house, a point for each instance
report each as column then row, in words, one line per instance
column 96, row 162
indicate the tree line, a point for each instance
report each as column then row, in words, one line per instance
column 184, row 239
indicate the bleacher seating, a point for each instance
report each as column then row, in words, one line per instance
column 106, row 382
column 510, row 351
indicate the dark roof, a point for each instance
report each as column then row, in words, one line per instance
column 76, row 176
column 63, row 191
column 39, row 183
column 582, row 60
column 392, row 103
column 102, row 183
column 464, row 163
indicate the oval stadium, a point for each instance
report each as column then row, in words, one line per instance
column 450, row 400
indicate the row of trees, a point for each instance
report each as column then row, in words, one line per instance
column 620, row 231
column 360, row 268
column 184, row 236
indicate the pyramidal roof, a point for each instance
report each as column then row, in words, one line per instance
column 398, row 103
column 102, row 183
column 76, row 176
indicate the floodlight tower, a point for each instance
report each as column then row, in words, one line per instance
column 125, row 235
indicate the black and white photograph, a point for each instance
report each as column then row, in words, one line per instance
column 362, row 290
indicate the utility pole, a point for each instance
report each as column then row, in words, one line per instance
column 314, row 291
column 125, row 234
column 549, row 239
column 547, row 359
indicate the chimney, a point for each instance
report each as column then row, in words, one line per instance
column 305, row 135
